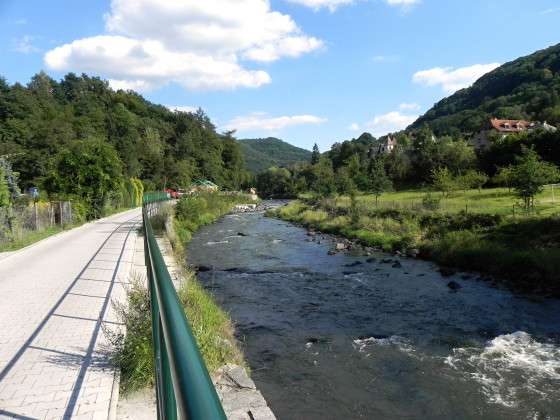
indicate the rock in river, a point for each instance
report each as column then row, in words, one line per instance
column 453, row 285
column 340, row 246
column 446, row 271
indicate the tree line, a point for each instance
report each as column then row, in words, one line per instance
column 77, row 138
column 524, row 161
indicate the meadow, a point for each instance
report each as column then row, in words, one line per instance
column 491, row 200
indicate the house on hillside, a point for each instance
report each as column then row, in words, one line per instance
column 505, row 127
column 387, row 146
column 203, row 185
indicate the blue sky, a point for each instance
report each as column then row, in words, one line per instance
column 303, row 70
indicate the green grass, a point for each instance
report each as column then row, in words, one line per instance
column 29, row 238
column 524, row 250
column 211, row 326
column 492, row 200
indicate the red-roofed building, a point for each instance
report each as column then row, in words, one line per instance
column 504, row 128
column 512, row 126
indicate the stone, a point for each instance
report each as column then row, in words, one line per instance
column 446, row 271
column 453, row 285
column 241, row 234
column 386, row 260
column 203, row 268
column 354, row 264
column 341, row 246
column 414, row 252
column 371, row 260
column 397, row 264
column 331, row 252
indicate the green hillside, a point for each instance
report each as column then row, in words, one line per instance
column 527, row 88
column 261, row 154
column 78, row 138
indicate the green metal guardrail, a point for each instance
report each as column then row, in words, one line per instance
column 184, row 389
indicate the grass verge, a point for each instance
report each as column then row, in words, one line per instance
column 524, row 251
column 30, row 237
column 211, row 326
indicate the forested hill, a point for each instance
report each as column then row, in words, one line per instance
column 527, row 88
column 40, row 122
column 261, row 154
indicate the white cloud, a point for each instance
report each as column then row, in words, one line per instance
column 404, row 5
column 25, row 45
column 198, row 44
column 354, row 127
column 182, row 108
column 259, row 121
column 452, row 79
column 289, row 47
column 21, row 22
column 549, row 11
column 409, row 107
column 389, row 123
column 319, row 4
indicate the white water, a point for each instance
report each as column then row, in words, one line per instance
column 367, row 344
column 511, row 368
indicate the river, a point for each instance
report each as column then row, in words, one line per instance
column 337, row 337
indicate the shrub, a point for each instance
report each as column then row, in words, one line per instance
column 431, row 202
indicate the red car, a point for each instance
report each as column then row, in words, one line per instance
column 172, row 193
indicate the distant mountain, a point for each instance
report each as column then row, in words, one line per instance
column 261, row 154
column 527, row 88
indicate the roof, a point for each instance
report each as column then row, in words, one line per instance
column 204, row 182
column 512, row 126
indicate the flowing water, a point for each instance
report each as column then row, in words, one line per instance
column 337, row 337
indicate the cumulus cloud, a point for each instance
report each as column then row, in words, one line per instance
column 332, row 5
column 25, row 45
column 259, row 121
column 199, row 44
column 390, row 122
column 354, row 127
column 450, row 79
column 409, row 107
column 403, row 4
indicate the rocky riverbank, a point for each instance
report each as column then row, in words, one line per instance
column 257, row 207
column 347, row 335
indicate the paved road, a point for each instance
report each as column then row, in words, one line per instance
column 55, row 303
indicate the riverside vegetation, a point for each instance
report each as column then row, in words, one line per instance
column 211, row 326
column 522, row 249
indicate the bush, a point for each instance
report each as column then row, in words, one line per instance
column 431, row 202
column 134, row 354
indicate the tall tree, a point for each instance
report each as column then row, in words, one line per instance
column 315, row 155
column 530, row 175
column 379, row 182
column 90, row 170
column 324, row 183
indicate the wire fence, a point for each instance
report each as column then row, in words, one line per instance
column 17, row 221
column 448, row 206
